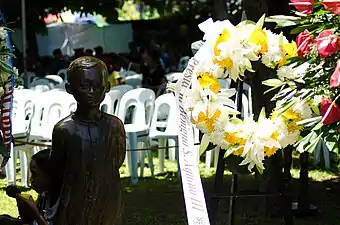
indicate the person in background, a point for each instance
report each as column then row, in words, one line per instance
column 99, row 52
column 89, row 52
column 150, row 66
column 59, row 61
column 78, row 52
column 48, row 187
column 134, row 55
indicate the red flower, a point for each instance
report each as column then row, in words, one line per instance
column 303, row 6
column 304, row 41
column 335, row 78
column 332, row 6
column 330, row 111
column 328, row 43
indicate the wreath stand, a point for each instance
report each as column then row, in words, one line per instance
column 283, row 179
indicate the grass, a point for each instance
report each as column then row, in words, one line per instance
column 159, row 200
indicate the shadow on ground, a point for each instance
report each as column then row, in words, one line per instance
column 160, row 201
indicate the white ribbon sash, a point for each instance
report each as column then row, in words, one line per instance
column 191, row 181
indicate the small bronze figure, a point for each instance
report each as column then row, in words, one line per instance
column 88, row 148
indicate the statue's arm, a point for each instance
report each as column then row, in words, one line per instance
column 121, row 144
column 58, row 153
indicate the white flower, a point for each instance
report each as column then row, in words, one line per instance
column 274, row 54
column 303, row 109
column 293, row 72
column 285, row 137
column 260, row 136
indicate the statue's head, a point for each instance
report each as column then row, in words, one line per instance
column 87, row 81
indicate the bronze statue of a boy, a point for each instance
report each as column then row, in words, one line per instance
column 88, row 148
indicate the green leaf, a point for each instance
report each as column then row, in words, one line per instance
column 204, row 143
column 273, row 82
column 309, row 122
column 318, row 126
column 6, row 67
column 230, row 150
column 332, row 142
column 259, row 169
column 313, row 143
column 301, row 28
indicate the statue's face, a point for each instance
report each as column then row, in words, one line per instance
column 89, row 86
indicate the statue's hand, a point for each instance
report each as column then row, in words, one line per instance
column 27, row 209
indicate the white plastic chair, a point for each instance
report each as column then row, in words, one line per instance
column 115, row 98
column 122, row 88
column 107, row 105
column 50, row 108
column 164, row 126
column 183, row 63
column 55, row 78
column 143, row 101
column 63, row 74
column 30, row 78
column 135, row 80
column 23, row 107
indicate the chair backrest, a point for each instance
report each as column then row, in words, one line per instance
column 63, row 74
column 41, row 81
column 107, row 105
column 143, row 101
column 135, row 80
column 183, row 63
column 40, row 88
column 165, row 111
column 115, row 98
column 50, row 108
column 55, row 78
column 30, row 76
column 122, row 88
column 23, row 107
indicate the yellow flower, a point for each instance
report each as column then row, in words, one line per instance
column 208, row 121
column 222, row 38
column 293, row 127
column 259, row 37
column 207, row 80
column 238, row 152
column 289, row 50
column 224, row 63
column 269, row 151
column 233, row 139
column 290, row 114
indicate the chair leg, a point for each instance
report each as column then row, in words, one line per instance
column 150, row 158
column 11, row 168
column 172, row 151
column 24, row 167
column 133, row 154
column 177, row 158
column 141, row 160
column 161, row 154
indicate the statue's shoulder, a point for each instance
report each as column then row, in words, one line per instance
column 113, row 121
column 65, row 124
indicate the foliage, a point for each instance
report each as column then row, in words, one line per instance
column 313, row 76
